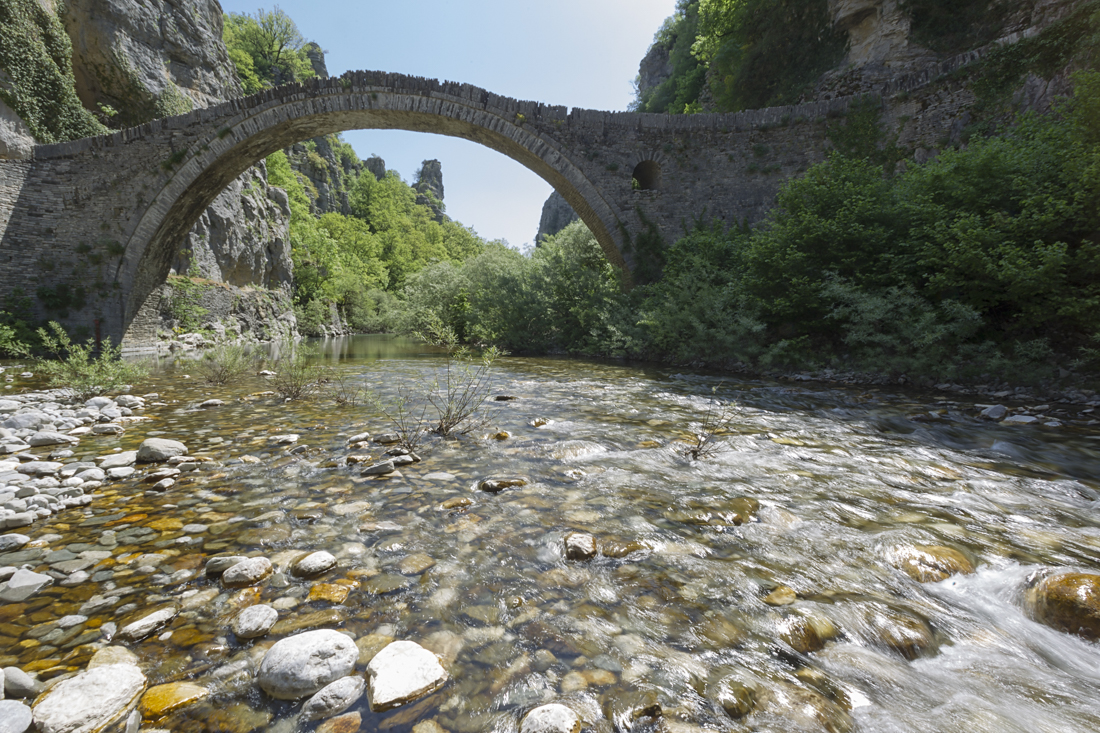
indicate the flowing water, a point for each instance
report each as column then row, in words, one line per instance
column 694, row 589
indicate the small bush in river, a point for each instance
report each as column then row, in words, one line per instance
column 74, row 366
column 296, row 376
column 226, row 363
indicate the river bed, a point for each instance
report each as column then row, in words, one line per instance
column 774, row 567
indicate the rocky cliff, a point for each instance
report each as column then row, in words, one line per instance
column 429, row 188
column 557, row 214
column 329, row 168
column 146, row 59
column 242, row 238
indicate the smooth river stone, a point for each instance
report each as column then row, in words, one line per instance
column 90, row 701
column 255, row 621
column 146, row 625
column 402, row 672
column 218, row 565
column 159, row 449
column 552, row 718
column 119, row 460
column 1068, row 602
column 15, row 717
column 161, row 700
column 247, row 572
column 22, row 585
column 334, row 699
column 301, row 665
column 580, row 546
column 50, row 438
column 313, row 564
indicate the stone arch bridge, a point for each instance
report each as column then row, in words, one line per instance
column 108, row 213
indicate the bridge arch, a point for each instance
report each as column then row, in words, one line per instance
column 248, row 130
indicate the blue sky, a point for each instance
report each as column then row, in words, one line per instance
column 578, row 53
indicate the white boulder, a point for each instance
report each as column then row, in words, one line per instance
column 402, row 672
column 90, row 701
column 302, row 664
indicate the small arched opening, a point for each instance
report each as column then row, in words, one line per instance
column 646, row 176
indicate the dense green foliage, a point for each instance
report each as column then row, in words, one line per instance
column 564, row 297
column 982, row 261
column 977, row 259
column 354, row 260
column 680, row 92
column 750, row 53
column 36, row 61
column 949, row 26
column 744, row 54
column 266, row 48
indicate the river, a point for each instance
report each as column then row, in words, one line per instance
column 767, row 575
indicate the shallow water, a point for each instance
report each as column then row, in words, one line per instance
column 843, row 479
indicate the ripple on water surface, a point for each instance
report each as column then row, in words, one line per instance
column 763, row 588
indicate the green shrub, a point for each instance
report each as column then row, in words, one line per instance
column 226, row 363
column 76, row 368
column 36, row 59
column 10, row 345
column 297, row 375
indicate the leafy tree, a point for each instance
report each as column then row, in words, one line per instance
column 267, row 48
column 688, row 77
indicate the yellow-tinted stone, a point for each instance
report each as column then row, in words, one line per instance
column 599, row 677
column 239, row 718
column 128, row 519
column 370, row 645
column 932, row 563
column 347, row 723
column 166, row 525
column 188, row 637
column 330, row 592
column 501, row 436
column 781, row 596
column 649, row 444
column 328, row 617
column 161, row 700
column 415, row 564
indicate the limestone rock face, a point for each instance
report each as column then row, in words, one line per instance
column 91, row 701
column 557, row 214
column 243, row 238
column 16, row 139
column 376, row 166
column 429, row 188
column 317, row 60
column 156, row 58
column 878, row 30
column 655, row 68
column 330, row 172
column 148, row 59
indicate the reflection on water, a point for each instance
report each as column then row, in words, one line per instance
column 795, row 595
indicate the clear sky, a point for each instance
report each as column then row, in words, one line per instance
column 578, row 53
